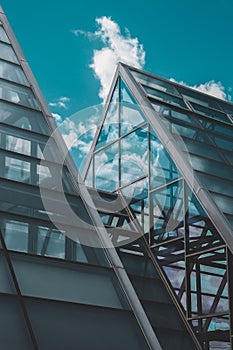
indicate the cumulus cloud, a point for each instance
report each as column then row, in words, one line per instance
column 57, row 117
column 60, row 102
column 117, row 47
column 211, row 87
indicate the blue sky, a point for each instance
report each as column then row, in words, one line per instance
column 189, row 41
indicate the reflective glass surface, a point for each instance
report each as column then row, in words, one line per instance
column 12, row 72
column 110, row 129
column 134, row 155
column 7, row 53
column 3, row 36
column 130, row 115
column 106, row 168
column 18, row 94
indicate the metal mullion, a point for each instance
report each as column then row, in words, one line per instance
column 209, row 250
column 188, row 267
column 174, row 84
column 13, row 82
column 144, row 84
column 20, row 297
column 210, row 108
column 198, row 294
column 215, row 302
column 119, row 138
column 119, row 133
column 7, row 61
column 28, row 158
column 130, row 183
column 25, row 132
column 230, row 292
column 166, row 243
column 166, row 185
column 151, row 216
column 101, row 122
column 218, row 314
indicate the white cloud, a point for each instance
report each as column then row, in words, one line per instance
column 210, row 87
column 60, row 102
column 57, row 117
column 117, row 47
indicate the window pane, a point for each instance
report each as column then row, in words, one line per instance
column 7, row 53
column 171, row 112
column 202, row 99
column 12, row 72
column 166, row 98
column 106, row 168
column 110, row 129
column 16, row 235
column 18, row 145
column 134, row 155
column 155, row 83
column 3, row 36
column 23, row 118
column 17, row 170
column 168, row 212
column 162, row 168
column 211, row 113
column 131, row 116
column 17, row 94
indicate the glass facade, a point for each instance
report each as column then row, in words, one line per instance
column 55, row 292
column 168, row 230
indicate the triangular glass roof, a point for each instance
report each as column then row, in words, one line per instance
column 169, row 167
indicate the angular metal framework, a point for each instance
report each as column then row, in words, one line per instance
column 161, row 162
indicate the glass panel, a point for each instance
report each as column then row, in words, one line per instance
column 17, row 94
column 17, row 170
column 162, row 168
column 51, row 242
column 131, row 116
column 18, row 145
column 12, row 72
column 201, row 232
column 168, row 213
column 106, row 168
column 155, row 83
column 60, row 280
column 110, row 129
column 7, row 53
column 6, row 281
column 211, row 167
column 213, row 126
column 169, row 112
column 227, row 107
column 136, row 196
column 199, row 98
column 14, row 331
column 23, row 118
column 3, row 36
column 58, row 324
column 16, row 235
column 166, row 98
column 211, row 113
column 134, row 155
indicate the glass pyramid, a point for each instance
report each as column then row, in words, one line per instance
column 173, row 177
column 62, row 284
